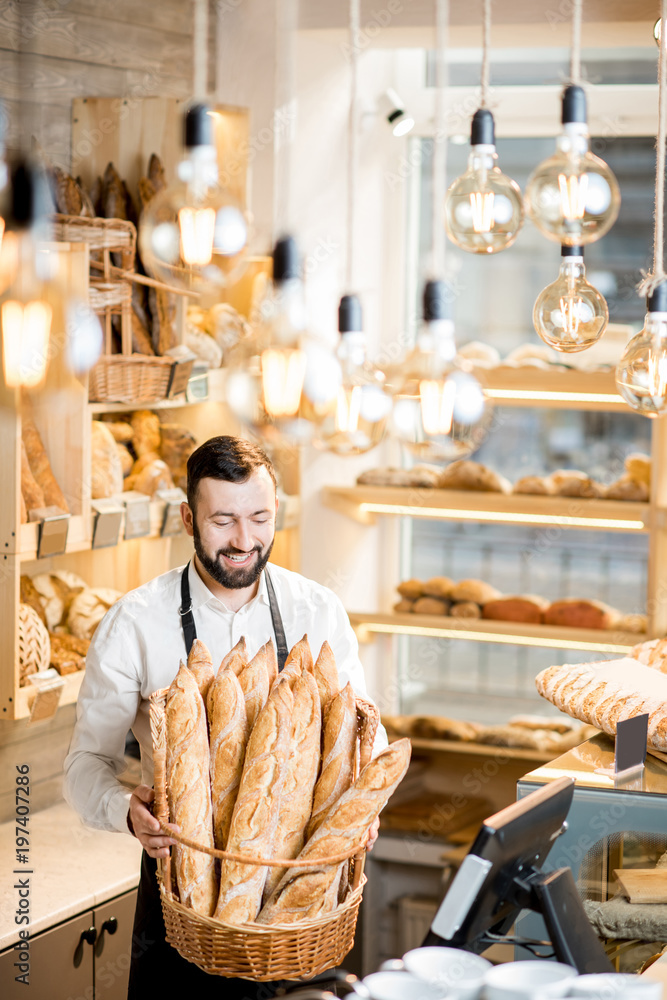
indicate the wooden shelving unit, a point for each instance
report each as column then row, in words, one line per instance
column 566, row 389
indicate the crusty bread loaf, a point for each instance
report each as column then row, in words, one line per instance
column 465, row 609
column 430, row 606
column 438, row 586
column 652, row 653
column 474, row 590
column 404, row 606
column 255, row 816
column 303, row 762
column 580, row 614
column 189, row 791
column 106, row 470
column 29, row 594
column 627, row 488
column 120, row 430
column 300, row 653
column 633, row 622
column 466, row 475
column 155, row 476
column 572, row 483
column 603, row 694
column 411, row 589
column 145, row 432
column 638, row 467
column 519, row 608
column 126, row 460
column 41, row 467
column 541, row 485
column 271, row 662
column 304, row 893
column 236, row 658
column 201, row 665
column 325, row 672
column 254, row 681
column 436, row 727
column 338, row 755
column 30, row 488
column 228, row 737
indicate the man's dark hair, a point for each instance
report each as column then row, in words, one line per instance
column 230, row 459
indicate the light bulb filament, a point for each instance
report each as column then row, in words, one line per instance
column 657, row 374
column 283, row 372
column 481, row 204
column 570, row 311
column 573, row 190
column 197, row 227
column 348, row 409
column 25, row 339
column 437, row 405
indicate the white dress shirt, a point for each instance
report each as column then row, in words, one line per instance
column 136, row 650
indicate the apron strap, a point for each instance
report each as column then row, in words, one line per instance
column 188, row 620
column 185, row 611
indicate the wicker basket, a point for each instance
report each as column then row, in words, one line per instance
column 129, row 378
column 262, row 953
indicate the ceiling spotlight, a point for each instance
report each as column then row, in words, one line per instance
column 391, row 106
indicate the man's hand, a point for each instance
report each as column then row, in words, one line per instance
column 373, row 834
column 145, row 826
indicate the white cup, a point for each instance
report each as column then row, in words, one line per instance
column 396, row 985
column 461, row 972
column 615, row 986
column 519, row 980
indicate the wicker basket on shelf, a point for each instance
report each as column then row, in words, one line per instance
column 255, row 951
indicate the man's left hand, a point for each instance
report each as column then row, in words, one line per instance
column 373, row 834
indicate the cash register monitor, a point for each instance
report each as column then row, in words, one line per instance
column 502, row 875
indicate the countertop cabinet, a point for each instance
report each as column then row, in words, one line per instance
column 87, row 957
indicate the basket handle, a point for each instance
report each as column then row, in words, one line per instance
column 333, row 859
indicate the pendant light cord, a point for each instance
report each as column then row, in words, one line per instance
column 200, row 50
column 575, row 51
column 486, row 40
column 652, row 280
column 440, row 137
column 352, row 141
column 285, row 106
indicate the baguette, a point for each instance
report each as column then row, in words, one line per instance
column 271, row 662
column 305, row 893
column 603, row 694
column 189, row 791
column 325, row 672
column 236, row 658
column 303, row 763
column 254, row 681
column 300, row 653
column 201, row 665
column 41, row 467
column 30, row 488
column 228, row 738
column 338, row 755
column 255, row 816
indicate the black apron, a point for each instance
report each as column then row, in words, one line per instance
column 156, row 968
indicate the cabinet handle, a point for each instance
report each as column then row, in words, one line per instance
column 87, row 937
column 110, row 926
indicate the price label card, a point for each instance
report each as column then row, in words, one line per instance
column 172, row 523
column 631, row 739
column 52, row 532
column 137, row 514
column 107, row 520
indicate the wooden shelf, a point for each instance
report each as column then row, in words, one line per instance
column 479, row 630
column 69, row 694
column 364, row 503
column 478, row 749
column 568, row 389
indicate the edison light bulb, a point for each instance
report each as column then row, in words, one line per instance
column 641, row 374
column 281, row 380
column 570, row 314
column 573, row 197
column 358, row 418
column 28, row 300
column 483, row 207
column 440, row 410
column 194, row 234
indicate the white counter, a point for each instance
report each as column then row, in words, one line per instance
column 72, row 869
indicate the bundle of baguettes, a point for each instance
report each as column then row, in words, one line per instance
column 262, row 765
column 604, row 694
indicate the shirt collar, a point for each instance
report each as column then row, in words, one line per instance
column 201, row 595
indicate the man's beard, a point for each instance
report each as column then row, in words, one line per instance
column 231, row 579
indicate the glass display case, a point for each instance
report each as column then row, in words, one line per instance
column 614, row 827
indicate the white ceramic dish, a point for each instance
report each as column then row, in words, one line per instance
column 459, row 971
column 519, row 980
column 615, row 986
column 396, row 985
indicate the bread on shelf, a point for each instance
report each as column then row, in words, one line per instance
column 430, row 606
column 474, row 590
column 519, row 608
column 573, row 483
column 467, row 475
column 536, row 485
column 575, row 613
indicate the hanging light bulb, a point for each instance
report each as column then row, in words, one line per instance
column 483, row 207
column 358, row 418
column 27, row 302
column 573, row 196
column 570, row 314
column 282, row 380
column 440, row 410
column 641, row 374
column 194, row 234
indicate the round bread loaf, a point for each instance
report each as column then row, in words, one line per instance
column 89, row 608
column 627, row 488
column 474, row 590
column 412, row 589
column 538, row 485
column 466, row 475
column 430, row 606
column 34, row 645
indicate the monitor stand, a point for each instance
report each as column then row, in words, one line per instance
column 574, row 941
